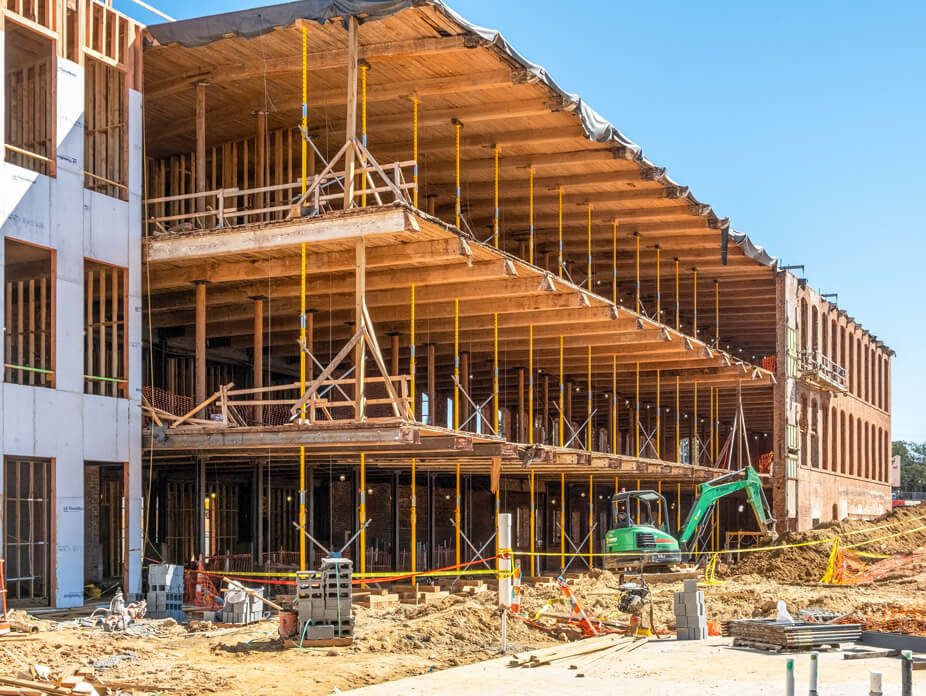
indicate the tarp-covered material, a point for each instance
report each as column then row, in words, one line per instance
column 260, row 20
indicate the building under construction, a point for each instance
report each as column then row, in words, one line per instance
column 392, row 273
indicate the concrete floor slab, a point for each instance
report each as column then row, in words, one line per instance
column 709, row 667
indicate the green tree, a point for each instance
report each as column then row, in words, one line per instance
column 912, row 464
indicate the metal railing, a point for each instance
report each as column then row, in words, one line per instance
column 814, row 364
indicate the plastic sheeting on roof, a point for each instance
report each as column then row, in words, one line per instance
column 257, row 21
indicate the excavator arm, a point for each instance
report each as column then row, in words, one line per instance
column 712, row 491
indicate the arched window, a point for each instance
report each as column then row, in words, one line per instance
column 814, row 332
column 803, row 333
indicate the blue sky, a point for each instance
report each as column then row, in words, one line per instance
column 805, row 123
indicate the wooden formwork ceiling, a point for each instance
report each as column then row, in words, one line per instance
column 464, row 289
column 422, row 53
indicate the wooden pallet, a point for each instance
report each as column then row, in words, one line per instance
column 377, row 601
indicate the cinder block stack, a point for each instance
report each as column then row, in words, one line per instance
column 690, row 618
column 323, row 601
column 241, row 608
column 165, row 592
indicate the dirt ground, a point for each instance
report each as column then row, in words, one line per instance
column 408, row 640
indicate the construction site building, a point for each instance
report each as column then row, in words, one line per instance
column 70, row 270
column 396, row 280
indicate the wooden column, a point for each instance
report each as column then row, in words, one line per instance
column 258, row 358
column 395, row 353
column 351, row 129
column 200, row 144
column 200, row 331
column 360, row 274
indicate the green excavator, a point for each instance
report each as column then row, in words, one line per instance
column 639, row 521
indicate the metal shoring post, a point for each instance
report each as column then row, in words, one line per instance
column 694, row 329
column 678, row 431
column 614, row 404
column 658, row 417
column 614, row 263
column 495, row 220
column 658, row 286
column 302, row 373
column 415, row 149
column 457, row 126
column 637, row 291
column 591, row 522
column 495, row 371
column 697, row 439
column 305, row 104
column 711, row 423
column 414, row 522
column 678, row 506
column 531, row 249
column 363, row 512
column 363, row 130
column 588, row 433
column 533, row 527
column 562, row 396
column 636, row 428
column 562, row 519
column 456, row 513
column 530, row 384
column 560, row 228
column 589, row 234
column 411, row 361
column 456, row 364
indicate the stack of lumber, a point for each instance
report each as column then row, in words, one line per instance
column 767, row 632
column 471, row 587
column 578, row 654
column 77, row 681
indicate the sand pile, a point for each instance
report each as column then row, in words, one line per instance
column 900, row 531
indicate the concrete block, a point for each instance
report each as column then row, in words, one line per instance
column 682, row 634
column 690, row 585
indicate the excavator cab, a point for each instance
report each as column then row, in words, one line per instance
column 640, row 531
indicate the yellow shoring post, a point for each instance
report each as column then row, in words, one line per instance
column 560, row 218
column 495, row 220
column 305, row 108
column 498, row 509
column 363, row 512
column 302, row 372
column 711, row 422
column 614, row 263
column 658, row 285
column 591, row 521
column 658, row 417
column 659, row 491
column 562, row 394
column 530, row 384
column 678, row 424
column 678, row 506
column 636, row 426
column 411, row 361
column 456, row 515
column 413, row 522
column 457, row 126
column 363, row 130
column 638, row 503
column 637, row 291
column 533, row 527
column 589, row 235
column 562, row 520
column 415, row 102
column 677, row 305
column 697, row 445
column 456, row 364
column 614, row 404
column 717, row 313
column 694, row 329
column 531, row 240
column 588, row 428
column 495, row 371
